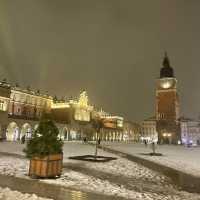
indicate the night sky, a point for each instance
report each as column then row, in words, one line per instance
column 111, row 48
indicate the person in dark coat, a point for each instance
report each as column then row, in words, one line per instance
column 84, row 139
column 23, row 139
column 145, row 143
column 99, row 141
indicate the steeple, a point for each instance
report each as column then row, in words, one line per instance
column 166, row 62
column 166, row 71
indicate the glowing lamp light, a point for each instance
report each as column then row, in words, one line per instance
column 166, row 85
column 169, row 135
column 60, row 105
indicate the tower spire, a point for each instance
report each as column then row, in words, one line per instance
column 166, row 71
column 166, row 62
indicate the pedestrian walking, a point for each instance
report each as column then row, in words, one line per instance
column 84, row 140
column 23, row 139
column 145, row 143
column 99, row 141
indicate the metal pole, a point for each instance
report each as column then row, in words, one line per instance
column 96, row 145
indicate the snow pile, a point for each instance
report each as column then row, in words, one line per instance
column 13, row 166
column 178, row 157
column 7, row 194
column 87, row 183
column 129, row 169
column 120, row 177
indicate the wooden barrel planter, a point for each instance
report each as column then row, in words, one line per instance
column 46, row 167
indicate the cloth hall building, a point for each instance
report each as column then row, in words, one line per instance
column 21, row 109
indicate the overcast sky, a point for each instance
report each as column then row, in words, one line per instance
column 111, row 48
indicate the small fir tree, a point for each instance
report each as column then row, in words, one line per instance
column 44, row 141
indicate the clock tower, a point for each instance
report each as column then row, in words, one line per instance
column 167, row 105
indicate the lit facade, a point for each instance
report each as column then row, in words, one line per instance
column 148, row 130
column 167, row 106
column 190, row 131
column 28, row 104
column 4, row 96
column 131, row 131
column 21, row 109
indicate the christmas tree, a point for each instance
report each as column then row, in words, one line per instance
column 44, row 140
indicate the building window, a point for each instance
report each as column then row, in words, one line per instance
column 1, row 105
column 33, row 101
column 28, row 99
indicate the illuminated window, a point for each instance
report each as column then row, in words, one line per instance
column 28, row 99
column 17, row 97
column 36, row 101
column 1, row 105
column 33, row 100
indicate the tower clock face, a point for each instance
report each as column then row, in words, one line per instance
column 166, row 83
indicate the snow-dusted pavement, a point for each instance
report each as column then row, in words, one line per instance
column 7, row 194
column 119, row 177
column 178, row 157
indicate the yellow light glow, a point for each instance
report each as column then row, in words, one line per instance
column 166, row 85
column 83, row 100
column 60, row 105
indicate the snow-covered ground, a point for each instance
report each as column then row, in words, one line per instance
column 178, row 157
column 119, row 177
column 7, row 194
column 69, row 148
column 12, row 147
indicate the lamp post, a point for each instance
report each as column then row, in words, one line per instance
column 97, row 125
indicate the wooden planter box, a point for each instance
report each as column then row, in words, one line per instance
column 46, row 167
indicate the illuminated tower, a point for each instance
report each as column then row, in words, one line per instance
column 167, row 105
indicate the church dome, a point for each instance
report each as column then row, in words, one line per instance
column 166, row 71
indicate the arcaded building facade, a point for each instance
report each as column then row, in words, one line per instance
column 21, row 109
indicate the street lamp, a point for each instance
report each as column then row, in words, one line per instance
column 167, row 136
column 164, row 134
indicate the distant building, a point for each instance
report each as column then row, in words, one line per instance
column 4, row 103
column 21, row 109
column 80, row 113
column 28, row 104
column 76, row 115
column 167, row 106
column 190, row 131
column 131, row 131
column 148, row 130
